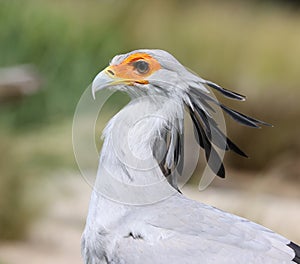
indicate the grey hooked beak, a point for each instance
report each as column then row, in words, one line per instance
column 108, row 78
column 103, row 80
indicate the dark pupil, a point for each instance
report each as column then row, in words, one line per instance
column 141, row 66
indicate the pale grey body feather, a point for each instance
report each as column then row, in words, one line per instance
column 177, row 230
column 135, row 216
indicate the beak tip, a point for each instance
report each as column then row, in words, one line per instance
column 101, row 81
column 93, row 92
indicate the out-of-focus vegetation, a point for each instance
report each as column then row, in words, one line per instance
column 250, row 47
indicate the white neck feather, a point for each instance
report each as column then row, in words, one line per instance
column 127, row 152
column 128, row 172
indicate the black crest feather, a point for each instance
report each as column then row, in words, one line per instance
column 206, row 130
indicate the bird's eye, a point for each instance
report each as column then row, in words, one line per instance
column 141, row 66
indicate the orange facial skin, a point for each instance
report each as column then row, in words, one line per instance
column 126, row 69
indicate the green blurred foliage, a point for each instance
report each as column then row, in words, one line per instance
column 251, row 47
column 27, row 160
column 65, row 44
column 16, row 211
column 238, row 44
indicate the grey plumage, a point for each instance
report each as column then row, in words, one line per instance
column 136, row 214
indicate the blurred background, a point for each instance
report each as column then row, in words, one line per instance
column 51, row 50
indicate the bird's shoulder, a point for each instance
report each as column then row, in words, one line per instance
column 185, row 231
column 181, row 230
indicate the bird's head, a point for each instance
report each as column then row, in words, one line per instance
column 146, row 72
column 156, row 72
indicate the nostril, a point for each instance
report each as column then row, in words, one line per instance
column 111, row 72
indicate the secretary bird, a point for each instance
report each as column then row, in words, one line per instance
column 137, row 213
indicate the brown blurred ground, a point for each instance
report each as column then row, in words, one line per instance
column 55, row 238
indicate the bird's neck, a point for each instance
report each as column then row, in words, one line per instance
column 127, row 163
